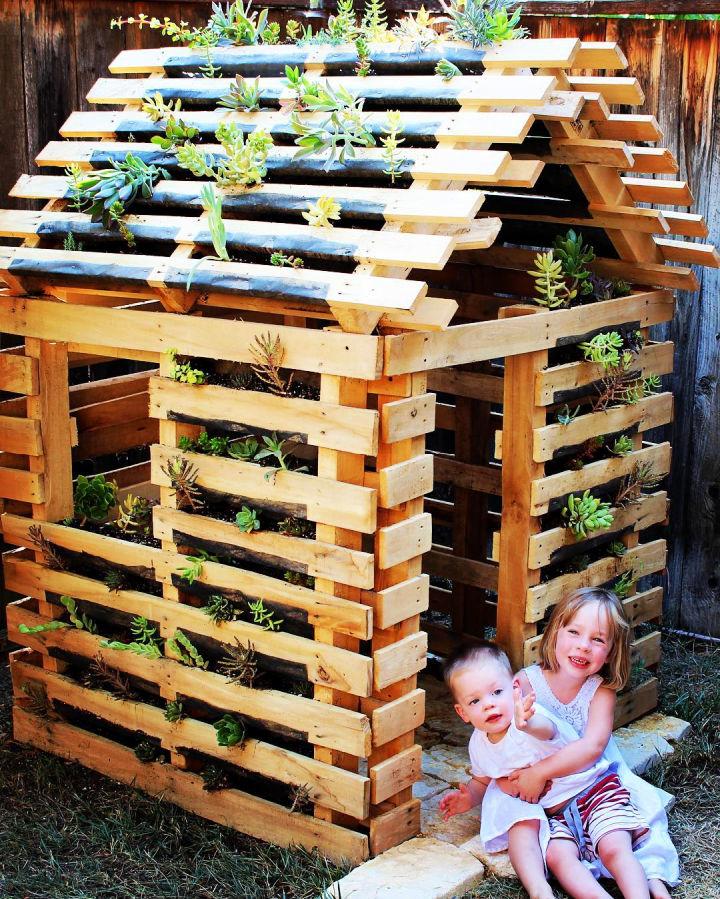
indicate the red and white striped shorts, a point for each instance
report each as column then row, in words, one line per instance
column 604, row 807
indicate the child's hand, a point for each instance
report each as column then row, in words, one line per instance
column 457, row 802
column 524, row 706
column 530, row 784
column 509, row 787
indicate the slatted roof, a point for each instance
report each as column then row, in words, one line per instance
column 523, row 142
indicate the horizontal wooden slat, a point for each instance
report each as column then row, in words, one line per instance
column 335, row 788
column 543, row 53
column 613, row 89
column 653, row 160
column 631, row 127
column 659, row 191
column 399, row 602
column 395, row 774
column 318, row 423
column 475, row 385
column 324, row 724
column 395, row 718
column 544, row 490
column 255, row 816
column 462, row 571
column 326, row 560
column 403, row 481
column 482, row 478
column 689, row 253
column 18, row 374
column 348, row 355
column 573, row 150
column 650, row 509
column 399, row 660
column 551, row 383
column 636, row 703
column 26, row 486
column 404, row 540
column 491, row 339
column 20, row 435
column 643, row 560
column 406, row 418
column 649, row 412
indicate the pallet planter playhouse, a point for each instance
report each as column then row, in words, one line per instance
column 245, row 639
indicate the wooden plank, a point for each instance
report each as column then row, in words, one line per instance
column 553, row 53
column 659, row 191
column 403, row 481
column 643, row 560
column 406, row 418
column 395, row 826
column 404, row 540
column 352, row 355
column 475, row 385
column 393, row 719
column 396, row 773
column 653, row 358
column 19, row 374
column 464, row 571
column 653, row 160
column 650, row 509
column 631, row 127
column 326, row 725
column 399, row 602
column 481, row 478
column 20, row 435
column 594, row 474
column 600, row 55
column 686, row 224
column 479, row 341
column 689, row 253
column 636, row 703
column 252, row 815
column 399, row 660
column 343, row 790
column 626, row 91
column 572, row 150
column 317, row 423
column 269, row 548
column 26, row 486
column 320, row 499
column 649, row 412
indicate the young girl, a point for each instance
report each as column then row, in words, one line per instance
column 584, row 659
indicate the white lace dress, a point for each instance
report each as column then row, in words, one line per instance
column 656, row 853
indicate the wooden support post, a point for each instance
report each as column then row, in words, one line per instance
column 520, row 417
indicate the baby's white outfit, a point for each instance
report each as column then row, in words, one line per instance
column 517, row 749
column 656, row 853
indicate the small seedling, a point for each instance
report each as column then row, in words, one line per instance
column 115, row 579
column 362, row 68
column 642, row 477
column 574, row 255
column 99, row 673
column 183, row 372
column 219, row 608
column 181, row 646
column 566, row 414
column 417, row 32
column 617, row 548
column 271, row 35
column 296, row 527
column 292, row 30
column 195, row 565
column 282, row 260
column 300, row 797
column 447, row 70
column 157, row 109
column 174, row 711
column 624, row 584
column 551, row 290
column 176, row 134
column 230, row 730
column 243, row 449
column 263, row 616
column 211, row 446
column 323, row 213
column 214, row 778
column 134, row 515
column 585, row 514
column 622, row 445
column 93, row 498
column 81, row 621
column 70, row 244
column 268, row 354
column 274, row 447
column 244, row 94
column 182, row 476
column 240, row 664
column 147, row 751
column 298, row 579
column 391, row 153
column 51, row 555
column 604, row 350
column 247, row 520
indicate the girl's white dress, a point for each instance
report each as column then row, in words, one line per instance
column 656, row 853
column 518, row 749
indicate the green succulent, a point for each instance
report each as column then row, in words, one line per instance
column 247, row 520
column 447, row 70
column 93, row 498
column 622, row 445
column 585, row 514
column 230, row 730
column 482, row 22
column 604, row 349
column 244, row 94
column 181, row 645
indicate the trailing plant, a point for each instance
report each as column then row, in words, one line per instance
column 342, row 28
column 362, row 67
column 147, row 751
column 244, row 94
column 195, row 565
column 93, row 498
column 247, row 520
column 244, row 450
column 624, row 584
column 174, row 711
column 234, row 22
column 134, row 515
column 550, row 288
column 281, row 259
column 219, row 608
column 81, row 621
column 418, row 32
column 322, row 213
column 268, row 354
column 299, row 797
column 642, row 477
column 585, row 514
column 115, row 216
column 391, row 153
column 230, row 730
column 70, row 244
column 447, row 70
column 263, row 616
column 482, row 22
column 182, row 476
column 214, row 778
column 52, row 556
column 54, row 625
column 565, row 415
column 240, row 664
column 296, row 527
column 641, row 388
column 617, row 548
column 115, row 579
column 96, row 192
column 340, row 132
column 99, row 673
column 181, row 646
column 374, row 26
column 146, row 642
column 183, row 372
column 622, row 445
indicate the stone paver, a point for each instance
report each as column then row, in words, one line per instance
column 422, row 868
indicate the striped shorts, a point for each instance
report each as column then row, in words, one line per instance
column 604, row 807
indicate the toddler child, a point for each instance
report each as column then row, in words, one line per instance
column 511, row 733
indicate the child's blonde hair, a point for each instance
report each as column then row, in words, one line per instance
column 616, row 669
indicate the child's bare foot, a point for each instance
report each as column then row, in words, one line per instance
column 658, row 890
column 542, row 892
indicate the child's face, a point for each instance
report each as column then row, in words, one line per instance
column 484, row 697
column 584, row 644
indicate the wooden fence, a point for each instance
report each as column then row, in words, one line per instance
column 54, row 50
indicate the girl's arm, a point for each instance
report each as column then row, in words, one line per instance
column 576, row 756
column 468, row 796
